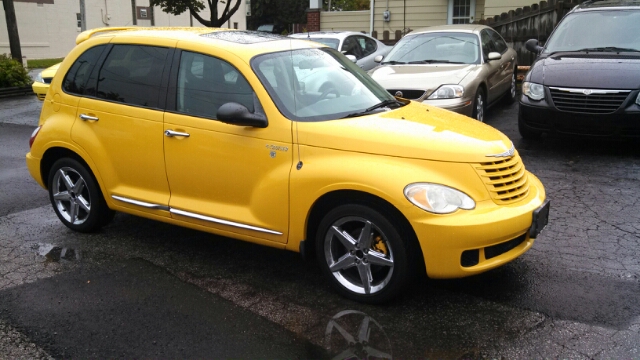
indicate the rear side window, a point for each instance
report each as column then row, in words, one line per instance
column 132, row 74
column 501, row 45
column 75, row 81
column 205, row 83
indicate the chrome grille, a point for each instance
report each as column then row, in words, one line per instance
column 596, row 102
column 407, row 94
column 506, row 179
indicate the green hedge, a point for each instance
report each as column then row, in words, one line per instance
column 42, row 63
column 12, row 74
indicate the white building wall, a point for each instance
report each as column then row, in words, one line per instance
column 50, row 30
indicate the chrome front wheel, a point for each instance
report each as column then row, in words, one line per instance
column 479, row 105
column 362, row 253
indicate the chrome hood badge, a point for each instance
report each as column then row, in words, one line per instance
column 507, row 153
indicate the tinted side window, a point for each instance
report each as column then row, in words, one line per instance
column 76, row 79
column 351, row 46
column 368, row 46
column 501, row 45
column 205, row 83
column 132, row 74
column 487, row 43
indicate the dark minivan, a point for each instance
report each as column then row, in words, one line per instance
column 586, row 79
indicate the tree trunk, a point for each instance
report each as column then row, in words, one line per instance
column 12, row 30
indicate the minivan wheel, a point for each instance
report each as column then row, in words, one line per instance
column 479, row 105
column 362, row 254
column 76, row 197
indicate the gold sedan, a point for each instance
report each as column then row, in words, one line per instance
column 462, row 68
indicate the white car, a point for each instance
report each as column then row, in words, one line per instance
column 363, row 47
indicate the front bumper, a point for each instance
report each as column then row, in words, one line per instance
column 544, row 117
column 474, row 241
column 461, row 106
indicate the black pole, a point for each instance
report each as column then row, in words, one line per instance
column 12, row 29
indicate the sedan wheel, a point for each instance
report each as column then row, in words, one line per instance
column 76, row 197
column 479, row 105
column 362, row 254
column 510, row 97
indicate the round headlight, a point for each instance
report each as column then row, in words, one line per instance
column 447, row 92
column 438, row 198
column 533, row 91
column 39, row 78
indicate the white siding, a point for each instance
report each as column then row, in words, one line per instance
column 497, row 7
column 50, row 30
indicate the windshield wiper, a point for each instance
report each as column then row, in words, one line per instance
column 434, row 61
column 379, row 105
column 609, row 49
column 392, row 62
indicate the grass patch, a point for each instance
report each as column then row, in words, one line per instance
column 42, row 63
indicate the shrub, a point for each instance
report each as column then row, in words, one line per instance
column 12, row 74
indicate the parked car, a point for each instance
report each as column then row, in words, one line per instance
column 214, row 129
column 272, row 28
column 363, row 47
column 586, row 79
column 41, row 83
column 462, row 68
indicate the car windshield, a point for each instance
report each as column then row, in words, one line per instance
column 436, row 47
column 610, row 30
column 327, row 41
column 318, row 84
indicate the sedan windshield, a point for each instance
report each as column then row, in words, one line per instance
column 319, row 84
column 436, row 47
column 598, row 31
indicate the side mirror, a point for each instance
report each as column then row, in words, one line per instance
column 238, row 114
column 352, row 58
column 378, row 58
column 532, row 45
column 494, row 56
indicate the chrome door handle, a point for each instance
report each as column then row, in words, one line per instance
column 85, row 117
column 171, row 133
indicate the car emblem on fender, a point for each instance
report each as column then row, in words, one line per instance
column 507, row 153
column 398, row 93
column 587, row 91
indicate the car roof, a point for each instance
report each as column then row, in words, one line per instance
column 607, row 5
column 466, row 28
column 250, row 43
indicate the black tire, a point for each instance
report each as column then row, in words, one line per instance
column 382, row 256
column 526, row 132
column 479, row 105
column 512, row 94
column 76, row 197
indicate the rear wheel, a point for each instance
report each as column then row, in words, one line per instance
column 76, row 197
column 362, row 254
column 479, row 105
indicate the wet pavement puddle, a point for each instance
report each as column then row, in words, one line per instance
column 53, row 253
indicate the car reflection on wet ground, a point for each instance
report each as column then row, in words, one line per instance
column 574, row 295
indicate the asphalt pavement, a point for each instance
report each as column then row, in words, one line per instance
column 140, row 288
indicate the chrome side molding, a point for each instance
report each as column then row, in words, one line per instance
column 140, row 203
column 222, row 222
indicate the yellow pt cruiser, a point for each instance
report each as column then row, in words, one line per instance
column 280, row 142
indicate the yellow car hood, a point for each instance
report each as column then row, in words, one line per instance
column 50, row 71
column 414, row 131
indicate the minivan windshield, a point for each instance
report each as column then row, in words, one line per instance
column 436, row 47
column 602, row 30
column 319, row 84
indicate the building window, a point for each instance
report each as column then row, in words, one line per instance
column 461, row 11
